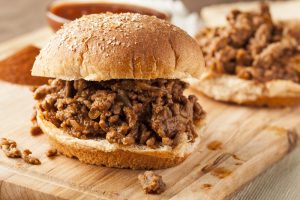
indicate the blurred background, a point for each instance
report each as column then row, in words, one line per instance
column 19, row 16
column 22, row 16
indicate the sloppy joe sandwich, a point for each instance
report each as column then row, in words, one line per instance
column 117, row 98
column 252, row 61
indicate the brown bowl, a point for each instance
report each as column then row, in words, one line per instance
column 60, row 12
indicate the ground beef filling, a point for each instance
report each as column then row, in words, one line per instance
column 126, row 112
column 152, row 183
column 252, row 47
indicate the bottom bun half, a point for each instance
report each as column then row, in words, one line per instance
column 230, row 88
column 101, row 152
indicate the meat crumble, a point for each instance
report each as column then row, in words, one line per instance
column 252, row 47
column 9, row 147
column 30, row 159
column 152, row 183
column 51, row 153
column 35, row 130
column 144, row 112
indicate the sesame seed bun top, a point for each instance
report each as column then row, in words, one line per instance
column 119, row 46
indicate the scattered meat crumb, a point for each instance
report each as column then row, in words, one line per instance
column 33, row 116
column 221, row 172
column 214, row 145
column 206, row 186
column 9, row 147
column 33, row 88
column 35, row 129
column 152, row 183
column 30, row 159
column 51, row 153
column 236, row 157
column 27, row 152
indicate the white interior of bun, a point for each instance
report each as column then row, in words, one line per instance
column 231, row 88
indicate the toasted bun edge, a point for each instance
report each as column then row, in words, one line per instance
column 229, row 88
column 101, row 152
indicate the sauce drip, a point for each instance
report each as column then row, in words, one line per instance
column 206, row 186
column 221, row 172
column 214, row 145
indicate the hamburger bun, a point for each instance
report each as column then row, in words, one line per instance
column 101, row 152
column 274, row 64
column 230, row 88
column 119, row 46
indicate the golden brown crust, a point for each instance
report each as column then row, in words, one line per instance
column 229, row 88
column 119, row 46
column 101, row 152
column 274, row 101
column 118, row 158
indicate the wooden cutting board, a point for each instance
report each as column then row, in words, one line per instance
column 239, row 144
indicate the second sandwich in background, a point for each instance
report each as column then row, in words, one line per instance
column 252, row 60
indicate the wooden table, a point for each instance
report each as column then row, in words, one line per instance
column 279, row 182
column 21, row 16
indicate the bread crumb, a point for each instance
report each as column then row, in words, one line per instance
column 9, row 147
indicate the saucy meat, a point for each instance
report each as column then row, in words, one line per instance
column 35, row 130
column 30, row 159
column 145, row 112
column 51, row 153
column 252, row 47
column 152, row 183
column 9, row 147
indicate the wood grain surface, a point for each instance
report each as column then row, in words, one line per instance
column 246, row 141
column 18, row 17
